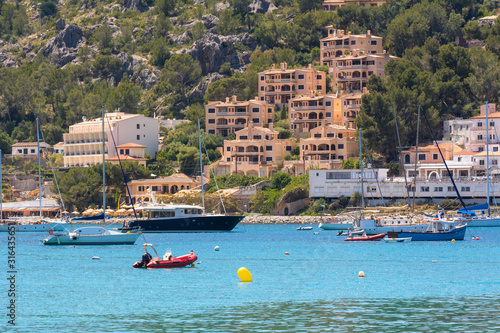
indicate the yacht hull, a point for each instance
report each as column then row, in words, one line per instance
column 457, row 234
column 203, row 223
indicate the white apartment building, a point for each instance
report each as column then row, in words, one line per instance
column 83, row 143
column 332, row 184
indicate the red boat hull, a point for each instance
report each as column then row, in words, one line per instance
column 365, row 238
column 181, row 261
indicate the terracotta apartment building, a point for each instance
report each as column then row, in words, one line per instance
column 279, row 85
column 224, row 118
column 334, row 5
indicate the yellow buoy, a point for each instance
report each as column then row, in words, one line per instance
column 452, row 240
column 361, row 274
column 244, row 275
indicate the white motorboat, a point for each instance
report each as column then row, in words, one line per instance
column 90, row 236
column 304, row 228
column 332, row 225
column 397, row 240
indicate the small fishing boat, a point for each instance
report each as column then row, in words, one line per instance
column 168, row 260
column 90, row 236
column 304, row 228
column 397, row 240
column 364, row 237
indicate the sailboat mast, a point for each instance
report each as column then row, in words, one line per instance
column 487, row 162
column 201, row 167
column 1, row 187
column 361, row 166
column 414, row 185
column 103, row 170
column 39, row 169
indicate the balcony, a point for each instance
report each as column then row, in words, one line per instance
column 482, row 128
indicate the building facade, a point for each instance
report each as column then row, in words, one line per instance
column 83, row 143
column 30, row 149
column 131, row 152
column 328, row 147
column 279, row 85
column 334, row 5
column 161, row 185
column 307, row 112
column 224, row 118
column 377, row 186
column 256, row 152
column 352, row 58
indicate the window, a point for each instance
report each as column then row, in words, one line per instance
column 138, row 126
column 154, row 188
column 243, row 137
column 330, row 135
column 328, row 114
column 269, row 148
column 319, row 87
column 32, row 151
column 269, row 158
column 319, row 77
column 459, row 159
column 300, row 87
column 262, row 77
column 340, row 135
column 288, row 148
column 495, row 148
column 211, row 110
column 269, row 120
column 19, row 151
column 138, row 137
column 451, row 189
column 121, row 152
column 481, row 162
column 256, row 120
column 211, row 131
column 300, row 76
column 261, row 88
column 269, row 110
column 465, row 189
column 479, row 124
column 353, row 42
column 127, row 151
column 421, row 157
column 424, row 189
column 494, row 162
column 257, row 137
column 211, row 121
column 228, row 159
column 228, row 148
column 328, row 103
column 438, row 189
column 492, row 124
column 481, row 149
column 434, row 156
column 480, row 137
column 373, row 42
column 255, row 110
column 340, row 146
column 317, row 135
column 370, row 62
column 340, row 157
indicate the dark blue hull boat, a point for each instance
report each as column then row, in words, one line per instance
column 88, row 218
column 457, row 233
column 204, row 223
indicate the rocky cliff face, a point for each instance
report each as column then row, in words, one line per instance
column 64, row 48
column 213, row 50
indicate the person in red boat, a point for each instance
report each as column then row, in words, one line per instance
column 146, row 258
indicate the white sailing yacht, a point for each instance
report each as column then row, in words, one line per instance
column 93, row 235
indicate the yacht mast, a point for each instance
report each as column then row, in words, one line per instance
column 103, row 170
column 39, row 169
column 414, row 185
column 1, row 187
column 201, row 167
column 361, row 166
column 487, row 162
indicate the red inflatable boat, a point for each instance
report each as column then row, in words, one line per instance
column 364, row 238
column 168, row 260
column 181, row 261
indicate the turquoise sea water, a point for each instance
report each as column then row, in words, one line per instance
column 315, row 288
